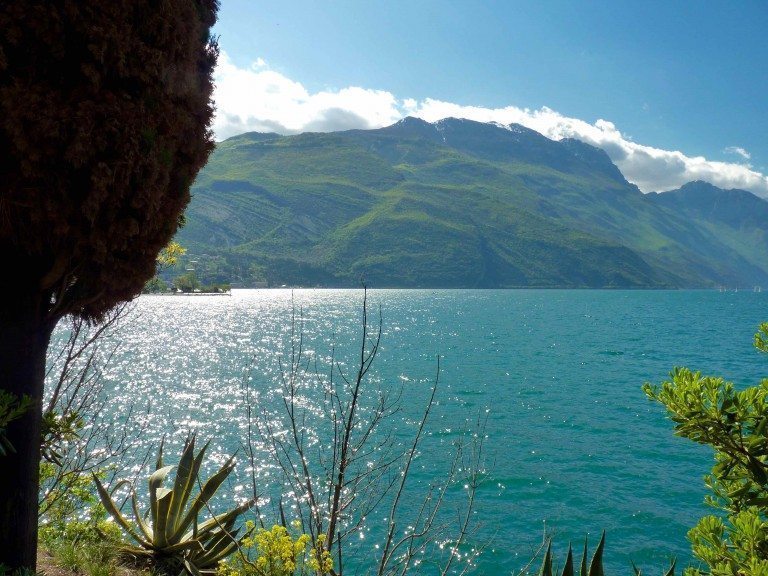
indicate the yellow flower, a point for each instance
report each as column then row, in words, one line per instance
column 278, row 552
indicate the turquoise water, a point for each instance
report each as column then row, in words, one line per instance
column 573, row 446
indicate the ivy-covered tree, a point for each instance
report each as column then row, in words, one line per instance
column 105, row 110
column 734, row 423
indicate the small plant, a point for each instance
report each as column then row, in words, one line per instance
column 595, row 565
column 5, row 571
column 173, row 540
column 276, row 552
column 594, row 568
column 77, row 532
column 12, row 407
column 86, row 547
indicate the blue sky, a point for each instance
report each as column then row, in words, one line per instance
column 672, row 90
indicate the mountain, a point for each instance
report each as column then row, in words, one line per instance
column 737, row 218
column 458, row 203
column 736, row 209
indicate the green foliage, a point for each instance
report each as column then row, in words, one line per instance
column 155, row 285
column 84, row 546
column 115, row 173
column 11, row 408
column 733, row 422
column 186, row 282
column 57, row 430
column 173, row 539
column 5, row 571
column 75, row 529
column 215, row 288
column 761, row 337
column 66, row 503
column 278, row 552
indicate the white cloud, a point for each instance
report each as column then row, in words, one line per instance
column 739, row 151
column 651, row 169
column 260, row 99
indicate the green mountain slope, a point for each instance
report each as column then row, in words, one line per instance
column 456, row 204
column 736, row 218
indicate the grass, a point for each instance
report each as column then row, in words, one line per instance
column 88, row 547
column 88, row 558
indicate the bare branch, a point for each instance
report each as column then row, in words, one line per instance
column 341, row 461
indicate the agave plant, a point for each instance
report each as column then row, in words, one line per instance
column 168, row 536
column 595, row 567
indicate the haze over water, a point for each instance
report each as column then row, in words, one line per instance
column 573, row 445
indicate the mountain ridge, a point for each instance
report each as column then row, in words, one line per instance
column 462, row 204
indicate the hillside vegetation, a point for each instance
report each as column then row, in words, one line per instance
column 458, row 203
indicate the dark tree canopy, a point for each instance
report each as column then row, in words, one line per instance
column 105, row 108
column 104, row 115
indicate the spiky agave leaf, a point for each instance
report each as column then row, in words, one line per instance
column 225, row 517
column 114, row 511
column 596, row 564
column 183, row 520
column 222, row 543
column 186, row 475
column 159, row 462
column 593, row 568
column 568, row 568
column 546, row 566
column 174, row 535
column 164, row 496
column 145, row 528
column 207, row 491
column 155, row 482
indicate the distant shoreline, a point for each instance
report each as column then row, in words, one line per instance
column 227, row 293
column 415, row 288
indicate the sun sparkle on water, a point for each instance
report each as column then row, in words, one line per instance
column 571, row 438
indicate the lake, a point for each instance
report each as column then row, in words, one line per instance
column 573, row 446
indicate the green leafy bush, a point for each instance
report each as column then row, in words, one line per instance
column 710, row 411
column 68, row 505
column 172, row 539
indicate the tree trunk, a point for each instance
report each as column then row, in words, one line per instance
column 24, row 337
